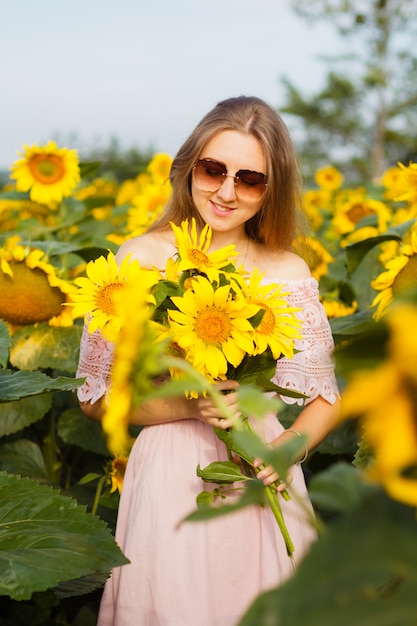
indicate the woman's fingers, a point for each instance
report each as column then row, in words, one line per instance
column 268, row 476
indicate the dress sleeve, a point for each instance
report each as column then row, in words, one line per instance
column 95, row 363
column 312, row 370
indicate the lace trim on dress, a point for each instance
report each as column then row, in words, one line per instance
column 310, row 371
column 95, row 363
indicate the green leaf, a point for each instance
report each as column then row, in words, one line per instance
column 205, row 498
column 357, row 251
column 350, row 325
column 16, row 385
column 46, row 347
column 253, row 494
column 14, row 195
column 5, row 343
column 222, row 473
column 251, row 366
column 89, row 478
column 88, row 169
column 363, row 351
column 81, row 586
column 363, row 571
column 76, row 429
column 281, row 458
column 15, row 416
column 338, row 489
column 253, row 402
column 25, row 458
column 91, row 253
column 47, row 539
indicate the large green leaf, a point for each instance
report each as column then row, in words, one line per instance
column 16, row 385
column 46, row 347
column 15, row 416
column 76, row 429
column 363, row 571
column 47, row 539
column 5, row 343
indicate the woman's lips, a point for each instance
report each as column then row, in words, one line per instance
column 221, row 210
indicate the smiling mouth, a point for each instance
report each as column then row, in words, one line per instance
column 223, row 209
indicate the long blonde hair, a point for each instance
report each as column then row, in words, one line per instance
column 275, row 223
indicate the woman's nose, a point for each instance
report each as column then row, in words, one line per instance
column 227, row 190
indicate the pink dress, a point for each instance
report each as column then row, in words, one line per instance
column 204, row 573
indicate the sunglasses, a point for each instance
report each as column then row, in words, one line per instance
column 210, row 175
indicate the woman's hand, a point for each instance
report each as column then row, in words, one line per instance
column 268, row 475
column 207, row 411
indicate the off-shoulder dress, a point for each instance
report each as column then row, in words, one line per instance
column 204, row 573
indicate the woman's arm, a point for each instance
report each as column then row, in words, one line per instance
column 164, row 410
column 316, row 421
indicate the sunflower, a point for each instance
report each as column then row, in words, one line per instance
column 97, row 292
column 193, row 253
column 30, row 289
column 314, row 202
column 388, row 418
column 408, row 183
column 392, row 182
column 400, row 273
column 213, row 327
column 147, row 206
column 279, row 326
column 356, row 206
column 160, row 167
column 329, row 178
column 388, row 414
column 336, row 308
column 116, row 472
column 48, row 172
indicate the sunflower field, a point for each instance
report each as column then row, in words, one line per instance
column 61, row 474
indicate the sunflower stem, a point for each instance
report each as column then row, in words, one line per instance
column 98, row 493
column 50, row 455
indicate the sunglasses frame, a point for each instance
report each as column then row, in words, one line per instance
column 236, row 179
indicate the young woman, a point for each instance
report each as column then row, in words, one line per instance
column 238, row 173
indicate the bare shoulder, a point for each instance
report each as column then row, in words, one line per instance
column 288, row 266
column 151, row 249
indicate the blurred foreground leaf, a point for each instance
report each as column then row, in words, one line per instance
column 363, row 571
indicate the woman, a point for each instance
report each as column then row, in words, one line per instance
column 238, row 173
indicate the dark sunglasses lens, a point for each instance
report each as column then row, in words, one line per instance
column 209, row 175
column 251, row 185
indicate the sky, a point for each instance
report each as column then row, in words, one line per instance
column 143, row 71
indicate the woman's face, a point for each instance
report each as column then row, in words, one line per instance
column 230, row 206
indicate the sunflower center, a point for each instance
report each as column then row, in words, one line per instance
column 267, row 325
column 406, row 277
column 213, row 326
column 28, row 298
column 198, row 257
column 47, row 168
column 357, row 212
column 105, row 297
column 119, row 466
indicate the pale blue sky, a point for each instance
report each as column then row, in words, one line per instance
column 143, row 71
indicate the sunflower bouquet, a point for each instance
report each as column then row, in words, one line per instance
column 201, row 321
